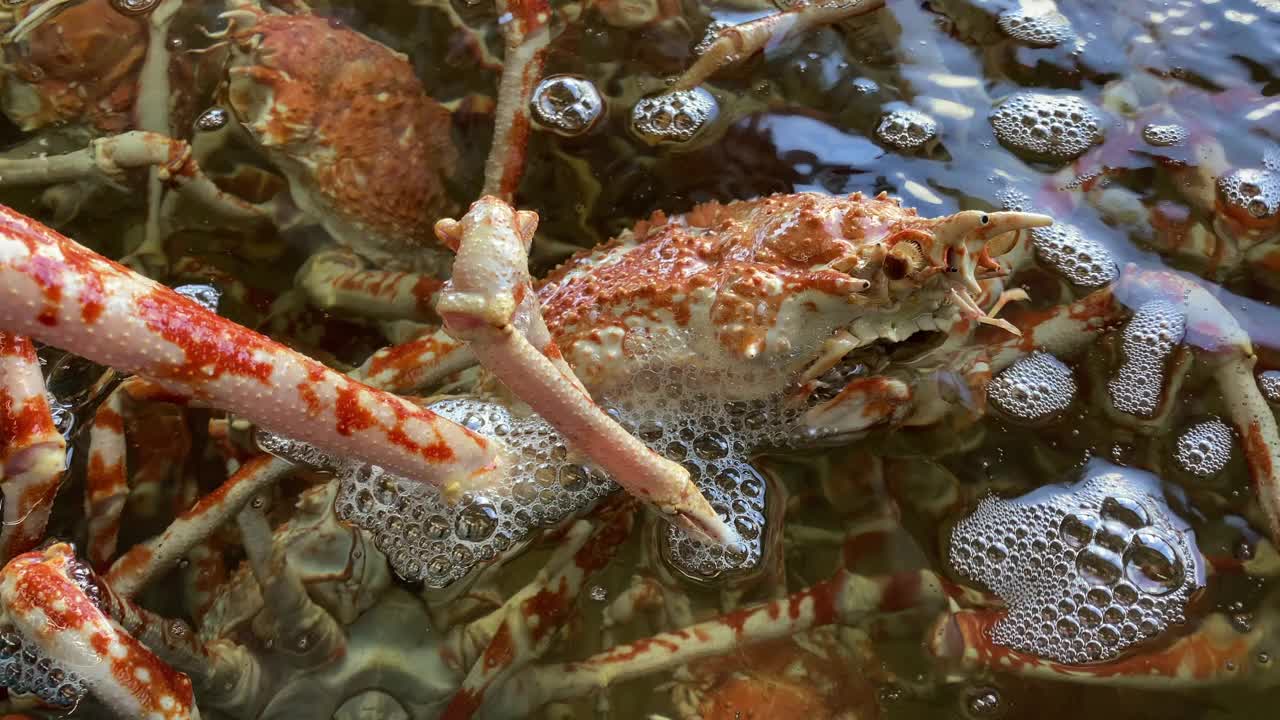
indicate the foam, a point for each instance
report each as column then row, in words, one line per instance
column 674, row 117
column 906, row 129
column 1039, row 126
column 1251, row 190
column 566, row 104
column 1088, row 570
column 1153, row 332
column 1035, row 388
column 1164, row 135
column 1204, row 449
column 1043, row 30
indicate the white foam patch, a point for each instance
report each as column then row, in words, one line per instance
column 1151, row 336
column 1088, row 570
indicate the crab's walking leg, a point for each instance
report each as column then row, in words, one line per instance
column 308, row 630
column 145, row 561
column 110, row 157
column 419, row 363
column 525, row 29
column 42, row 598
column 846, row 599
column 33, row 453
column 63, row 294
column 490, row 303
column 530, row 619
column 337, row 280
column 1216, row 653
column 740, row 42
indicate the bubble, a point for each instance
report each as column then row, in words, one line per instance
column 1081, row 260
column 1148, row 340
column 675, row 117
column 906, row 129
column 134, row 7
column 1039, row 126
column 984, row 702
column 1034, row 388
column 598, row 593
column 711, row 446
column 1251, row 193
column 1269, row 383
column 1077, row 529
column 1097, row 565
column 476, row 522
column 566, row 104
column 1125, row 510
column 215, row 118
column 1204, row 448
column 1043, row 30
column 714, row 28
column 1152, row 565
column 1164, row 135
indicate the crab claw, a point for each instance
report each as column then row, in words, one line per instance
column 971, row 232
column 48, row 598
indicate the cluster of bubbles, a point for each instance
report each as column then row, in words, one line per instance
column 566, row 104
column 1033, row 389
column 1087, row 570
column 673, row 117
column 1204, row 448
column 680, row 416
column 1037, row 30
column 207, row 296
column 1039, row 126
column 1164, row 135
column 1253, row 190
column 134, row 7
column 1083, row 261
column 1151, row 336
column 1269, row 382
column 906, row 129
column 25, row 671
column 429, row 539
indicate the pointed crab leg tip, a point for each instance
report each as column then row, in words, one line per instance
column 1014, row 220
column 710, row 527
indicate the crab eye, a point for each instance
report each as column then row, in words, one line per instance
column 985, row 219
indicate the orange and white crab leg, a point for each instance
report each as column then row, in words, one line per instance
column 337, row 279
column 490, row 303
column 1216, row 653
column 846, row 598
column 415, row 364
column 61, row 293
column 525, row 29
column 739, row 42
column 150, row 559
column 33, row 453
column 532, row 617
column 41, row 598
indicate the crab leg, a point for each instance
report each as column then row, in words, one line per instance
column 740, row 42
column 531, row 618
column 33, row 453
column 1216, row 653
column 418, row 363
column 63, row 294
column 111, row 156
column 846, row 599
column 145, row 561
column 41, row 597
column 490, row 303
column 337, row 280
column 524, row 27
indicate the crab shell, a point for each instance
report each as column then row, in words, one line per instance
column 758, row 288
column 365, row 149
column 79, row 66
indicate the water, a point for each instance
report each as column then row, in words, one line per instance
column 1150, row 131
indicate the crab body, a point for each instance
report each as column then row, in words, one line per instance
column 365, row 149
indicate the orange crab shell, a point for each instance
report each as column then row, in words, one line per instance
column 352, row 112
column 759, row 264
column 81, row 65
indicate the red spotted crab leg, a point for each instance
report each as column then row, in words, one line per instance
column 524, row 27
column 63, row 294
column 45, row 604
column 490, row 303
column 32, row 452
column 739, row 42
